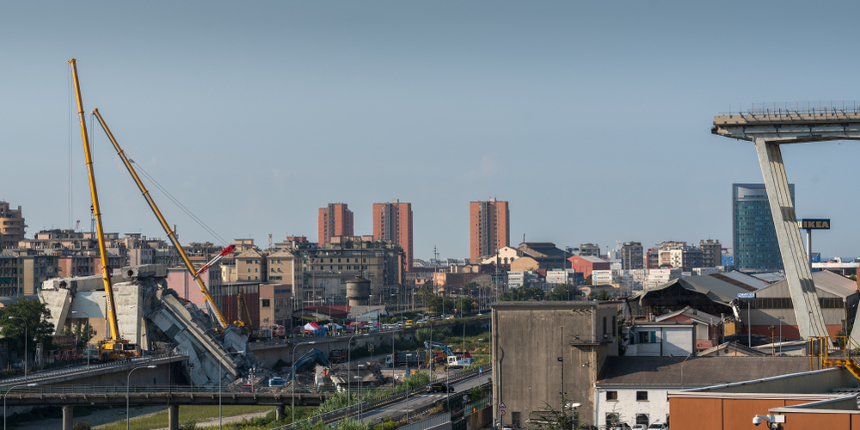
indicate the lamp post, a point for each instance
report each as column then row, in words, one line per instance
column 127, row 382
column 220, row 365
column 293, row 379
column 4, row 399
column 359, row 393
column 26, row 335
column 406, row 379
column 349, row 369
column 780, row 333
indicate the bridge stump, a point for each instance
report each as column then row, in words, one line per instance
column 173, row 417
column 68, row 422
column 279, row 413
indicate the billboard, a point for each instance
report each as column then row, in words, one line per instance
column 814, row 224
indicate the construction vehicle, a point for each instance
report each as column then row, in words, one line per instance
column 337, row 355
column 210, row 303
column 310, row 356
column 453, row 360
column 408, row 358
column 115, row 347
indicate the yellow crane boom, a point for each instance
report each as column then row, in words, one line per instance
column 164, row 225
column 111, row 303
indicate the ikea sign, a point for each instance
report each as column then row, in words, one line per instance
column 814, row 224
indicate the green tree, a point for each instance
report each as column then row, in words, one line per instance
column 464, row 305
column 565, row 292
column 521, row 294
column 82, row 333
column 603, row 295
column 439, row 305
column 38, row 327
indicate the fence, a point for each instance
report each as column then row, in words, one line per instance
column 428, row 422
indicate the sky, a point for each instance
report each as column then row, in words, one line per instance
column 591, row 118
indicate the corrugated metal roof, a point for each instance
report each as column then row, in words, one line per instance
column 698, row 371
column 824, row 280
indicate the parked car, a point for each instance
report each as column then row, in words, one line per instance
column 658, row 426
column 439, row 388
column 638, row 427
column 621, row 426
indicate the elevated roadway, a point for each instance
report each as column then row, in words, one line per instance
column 113, row 373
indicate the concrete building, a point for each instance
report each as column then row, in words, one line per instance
column 275, row 305
column 489, row 228
column 635, row 390
column 23, row 271
column 801, row 398
column 708, row 327
column 528, row 278
column 12, row 227
column 566, row 276
column 589, row 250
column 772, row 306
column 753, row 235
column 503, row 257
column 587, row 264
column 179, row 279
column 660, row 339
column 712, row 252
column 632, row 257
column 393, row 222
column 251, row 265
column 546, row 254
column 335, row 220
column 542, row 349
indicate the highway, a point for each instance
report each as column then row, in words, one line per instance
column 421, row 399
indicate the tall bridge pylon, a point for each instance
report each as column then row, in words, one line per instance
column 769, row 128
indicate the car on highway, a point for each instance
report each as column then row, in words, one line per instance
column 439, row 388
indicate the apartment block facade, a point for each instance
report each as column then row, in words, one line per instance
column 712, row 252
column 489, row 228
column 12, row 226
column 335, row 220
column 631, row 256
column 393, row 222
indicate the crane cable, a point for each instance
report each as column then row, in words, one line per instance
column 178, row 204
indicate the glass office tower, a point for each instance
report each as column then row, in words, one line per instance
column 756, row 248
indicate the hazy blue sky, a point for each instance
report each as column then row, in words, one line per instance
column 591, row 118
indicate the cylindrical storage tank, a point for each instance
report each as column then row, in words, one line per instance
column 358, row 291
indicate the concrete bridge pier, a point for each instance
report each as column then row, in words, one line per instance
column 173, row 417
column 279, row 412
column 68, row 422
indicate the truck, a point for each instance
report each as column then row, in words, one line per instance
column 408, row 358
column 337, row 355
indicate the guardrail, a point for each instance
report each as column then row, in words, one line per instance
column 368, row 406
column 35, row 377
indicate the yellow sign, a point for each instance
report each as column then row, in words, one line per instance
column 814, row 224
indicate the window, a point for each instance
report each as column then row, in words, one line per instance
column 612, row 419
column 515, row 419
column 641, row 396
column 266, row 305
column 604, row 325
column 642, row 419
column 612, row 396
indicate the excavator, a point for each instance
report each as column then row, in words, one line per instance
column 115, row 347
column 210, row 303
column 453, row 359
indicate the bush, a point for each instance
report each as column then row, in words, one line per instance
column 81, row 426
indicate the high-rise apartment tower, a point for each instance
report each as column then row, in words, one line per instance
column 393, row 221
column 631, row 256
column 489, row 228
column 335, row 220
column 753, row 235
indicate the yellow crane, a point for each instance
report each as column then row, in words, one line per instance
column 195, row 273
column 116, row 346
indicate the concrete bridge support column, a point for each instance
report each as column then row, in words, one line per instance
column 798, row 273
column 68, row 422
column 173, row 417
column 279, row 412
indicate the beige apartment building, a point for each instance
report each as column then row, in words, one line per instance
column 22, row 272
column 12, row 226
column 251, row 265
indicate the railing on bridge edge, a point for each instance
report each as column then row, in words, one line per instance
column 35, row 377
column 367, row 406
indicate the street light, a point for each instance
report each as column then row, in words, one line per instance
column 359, row 393
column 220, row 365
column 406, row 379
column 127, row 383
column 349, row 369
column 293, row 381
column 26, row 335
column 4, row 400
